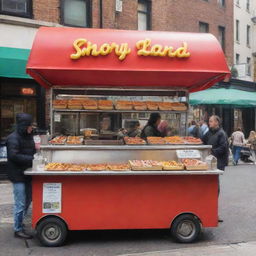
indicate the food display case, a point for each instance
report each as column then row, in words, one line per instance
column 107, row 122
column 108, row 79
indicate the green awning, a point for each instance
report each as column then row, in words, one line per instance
column 224, row 96
column 13, row 62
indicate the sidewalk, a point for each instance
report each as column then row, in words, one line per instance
column 246, row 249
column 6, row 203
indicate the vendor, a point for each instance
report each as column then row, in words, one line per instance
column 150, row 129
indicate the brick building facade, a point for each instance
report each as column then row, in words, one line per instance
column 169, row 15
column 162, row 15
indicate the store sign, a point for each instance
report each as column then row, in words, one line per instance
column 83, row 48
column 188, row 153
column 27, row 91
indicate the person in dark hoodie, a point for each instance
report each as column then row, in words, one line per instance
column 150, row 129
column 20, row 151
column 217, row 137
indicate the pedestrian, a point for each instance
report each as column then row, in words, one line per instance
column 194, row 129
column 20, row 151
column 217, row 137
column 150, row 129
column 203, row 128
column 237, row 140
column 252, row 142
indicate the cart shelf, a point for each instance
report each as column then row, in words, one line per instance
column 124, row 147
column 119, row 111
column 111, row 173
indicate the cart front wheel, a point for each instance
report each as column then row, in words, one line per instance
column 52, row 232
column 186, row 228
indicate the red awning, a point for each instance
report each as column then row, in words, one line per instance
column 190, row 60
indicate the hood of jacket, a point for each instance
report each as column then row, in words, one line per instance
column 23, row 121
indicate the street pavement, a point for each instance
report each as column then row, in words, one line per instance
column 235, row 236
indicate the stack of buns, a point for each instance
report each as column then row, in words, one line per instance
column 90, row 104
column 60, row 104
column 139, row 105
column 152, row 105
column 105, row 104
column 75, row 104
column 124, row 105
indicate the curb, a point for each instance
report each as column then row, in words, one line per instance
column 247, row 249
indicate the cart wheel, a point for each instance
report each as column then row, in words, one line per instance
column 186, row 228
column 51, row 232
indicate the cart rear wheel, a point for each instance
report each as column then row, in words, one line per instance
column 186, row 228
column 52, row 232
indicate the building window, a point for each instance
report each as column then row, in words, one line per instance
column 237, row 58
column 76, row 13
column 248, row 31
column 237, row 31
column 203, row 27
column 21, row 8
column 221, row 3
column 248, row 5
column 222, row 37
column 248, row 67
column 144, row 15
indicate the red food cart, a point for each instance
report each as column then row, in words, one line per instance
column 114, row 64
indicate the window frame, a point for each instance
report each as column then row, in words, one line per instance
column 237, row 31
column 237, row 58
column 223, row 29
column 222, row 3
column 204, row 23
column 88, row 18
column 249, row 69
column 28, row 14
column 248, row 36
column 248, row 5
column 148, row 13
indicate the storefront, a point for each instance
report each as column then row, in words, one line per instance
column 18, row 93
column 234, row 102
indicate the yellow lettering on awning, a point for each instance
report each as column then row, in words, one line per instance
column 83, row 47
column 87, row 48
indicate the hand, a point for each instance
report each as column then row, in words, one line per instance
column 37, row 146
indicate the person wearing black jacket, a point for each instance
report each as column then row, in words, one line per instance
column 150, row 129
column 217, row 137
column 20, row 151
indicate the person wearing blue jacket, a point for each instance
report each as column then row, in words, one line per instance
column 20, row 152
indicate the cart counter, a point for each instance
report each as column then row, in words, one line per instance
column 117, row 173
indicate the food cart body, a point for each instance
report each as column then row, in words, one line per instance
column 130, row 200
column 102, row 200
column 127, row 199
